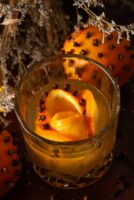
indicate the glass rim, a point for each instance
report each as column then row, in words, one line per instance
column 78, row 142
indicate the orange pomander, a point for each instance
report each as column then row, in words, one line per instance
column 10, row 165
column 117, row 58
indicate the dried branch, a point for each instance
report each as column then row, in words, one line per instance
column 100, row 21
column 30, row 32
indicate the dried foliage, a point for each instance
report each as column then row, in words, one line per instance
column 29, row 31
column 101, row 20
column 33, row 29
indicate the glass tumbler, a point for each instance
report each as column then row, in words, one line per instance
column 69, row 164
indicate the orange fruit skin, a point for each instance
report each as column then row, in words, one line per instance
column 71, row 124
column 60, row 100
column 10, row 166
column 117, row 58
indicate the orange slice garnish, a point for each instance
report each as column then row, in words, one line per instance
column 65, row 115
column 70, row 124
column 51, row 135
column 91, row 107
column 59, row 100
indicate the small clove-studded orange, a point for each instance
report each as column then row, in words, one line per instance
column 117, row 58
column 10, row 165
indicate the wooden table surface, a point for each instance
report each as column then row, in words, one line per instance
column 117, row 184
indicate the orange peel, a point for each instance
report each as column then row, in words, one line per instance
column 65, row 115
column 91, row 107
column 51, row 135
column 59, row 100
column 70, row 124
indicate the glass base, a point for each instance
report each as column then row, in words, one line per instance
column 60, row 180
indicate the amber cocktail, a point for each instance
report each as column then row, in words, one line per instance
column 69, row 126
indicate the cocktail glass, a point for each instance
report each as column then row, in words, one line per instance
column 69, row 164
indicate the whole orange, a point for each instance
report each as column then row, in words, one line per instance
column 117, row 58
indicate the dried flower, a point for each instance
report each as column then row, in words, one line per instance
column 29, row 31
column 6, row 100
column 4, row 122
column 10, row 21
column 100, row 21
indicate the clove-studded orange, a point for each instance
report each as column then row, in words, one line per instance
column 117, row 58
column 10, row 165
